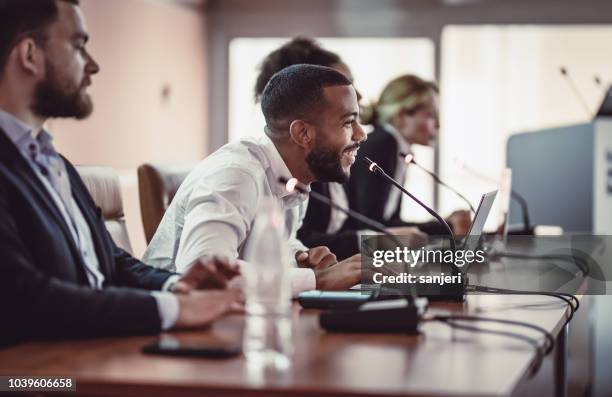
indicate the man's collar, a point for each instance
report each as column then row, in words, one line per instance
column 16, row 130
column 21, row 134
column 277, row 168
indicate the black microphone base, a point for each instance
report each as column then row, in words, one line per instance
column 521, row 231
column 446, row 293
column 398, row 316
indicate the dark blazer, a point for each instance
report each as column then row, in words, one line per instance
column 44, row 292
column 368, row 193
column 343, row 243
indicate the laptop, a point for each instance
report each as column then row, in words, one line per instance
column 474, row 237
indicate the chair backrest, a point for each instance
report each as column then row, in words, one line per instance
column 103, row 185
column 157, row 185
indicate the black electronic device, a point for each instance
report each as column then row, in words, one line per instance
column 388, row 316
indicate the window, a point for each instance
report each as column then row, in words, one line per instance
column 499, row 80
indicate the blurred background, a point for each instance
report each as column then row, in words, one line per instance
column 177, row 81
column 178, row 75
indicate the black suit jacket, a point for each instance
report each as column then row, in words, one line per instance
column 368, row 193
column 343, row 243
column 44, row 292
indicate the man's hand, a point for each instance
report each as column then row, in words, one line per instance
column 460, row 222
column 206, row 273
column 412, row 235
column 316, row 258
column 340, row 276
column 201, row 308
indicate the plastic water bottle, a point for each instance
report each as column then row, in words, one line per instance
column 268, row 332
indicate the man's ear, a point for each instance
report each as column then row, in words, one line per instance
column 30, row 57
column 301, row 133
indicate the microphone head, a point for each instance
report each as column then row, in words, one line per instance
column 292, row 184
column 563, row 70
column 408, row 157
column 372, row 166
column 597, row 80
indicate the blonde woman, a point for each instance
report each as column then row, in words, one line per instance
column 405, row 114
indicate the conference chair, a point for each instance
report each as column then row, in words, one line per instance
column 157, row 185
column 103, row 185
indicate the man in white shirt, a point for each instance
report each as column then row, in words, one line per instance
column 312, row 133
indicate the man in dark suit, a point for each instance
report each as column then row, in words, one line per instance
column 62, row 276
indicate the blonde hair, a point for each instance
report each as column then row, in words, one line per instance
column 407, row 92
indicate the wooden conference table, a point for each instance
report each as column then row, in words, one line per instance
column 439, row 361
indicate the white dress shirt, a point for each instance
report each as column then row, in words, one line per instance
column 213, row 210
column 395, row 195
column 40, row 154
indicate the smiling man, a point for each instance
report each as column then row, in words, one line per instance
column 62, row 275
column 312, row 134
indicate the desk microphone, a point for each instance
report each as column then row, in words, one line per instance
column 403, row 318
column 375, row 168
column 577, row 94
column 293, row 184
column 447, row 292
column 520, row 199
column 409, row 159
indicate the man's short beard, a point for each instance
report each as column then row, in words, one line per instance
column 51, row 99
column 326, row 165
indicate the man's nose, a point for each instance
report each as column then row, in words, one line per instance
column 92, row 66
column 359, row 134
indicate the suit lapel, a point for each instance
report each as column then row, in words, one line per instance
column 322, row 211
column 11, row 156
column 94, row 219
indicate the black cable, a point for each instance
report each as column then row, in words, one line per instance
column 461, row 317
column 540, row 351
column 559, row 295
column 565, row 297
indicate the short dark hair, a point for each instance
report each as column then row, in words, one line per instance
column 23, row 18
column 296, row 92
column 297, row 51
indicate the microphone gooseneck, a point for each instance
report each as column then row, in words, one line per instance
column 373, row 167
column 409, row 159
column 577, row 94
column 293, row 184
